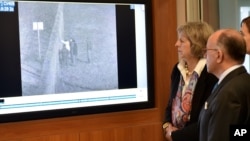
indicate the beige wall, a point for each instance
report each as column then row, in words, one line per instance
column 192, row 10
column 181, row 11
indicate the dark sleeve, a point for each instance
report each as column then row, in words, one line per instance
column 190, row 132
column 175, row 77
column 203, row 90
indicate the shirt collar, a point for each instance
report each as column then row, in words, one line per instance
column 226, row 72
column 198, row 68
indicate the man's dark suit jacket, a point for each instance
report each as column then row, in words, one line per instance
column 229, row 104
column 203, row 88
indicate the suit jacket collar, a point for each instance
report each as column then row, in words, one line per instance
column 227, row 78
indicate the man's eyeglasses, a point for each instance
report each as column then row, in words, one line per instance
column 207, row 49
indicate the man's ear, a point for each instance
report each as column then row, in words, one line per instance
column 220, row 56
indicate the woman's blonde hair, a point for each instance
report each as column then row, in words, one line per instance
column 197, row 33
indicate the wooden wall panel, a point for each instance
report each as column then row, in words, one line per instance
column 61, row 137
column 133, row 133
column 98, row 135
column 137, row 125
column 165, row 24
column 12, row 140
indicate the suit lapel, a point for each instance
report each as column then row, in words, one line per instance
column 231, row 75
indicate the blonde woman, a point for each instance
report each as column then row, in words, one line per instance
column 191, row 84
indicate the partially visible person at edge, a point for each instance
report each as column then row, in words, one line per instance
column 229, row 103
column 191, row 84
column 245, row 31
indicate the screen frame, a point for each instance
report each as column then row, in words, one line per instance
column 104, row 108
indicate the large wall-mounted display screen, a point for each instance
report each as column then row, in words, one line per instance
column 65, row 58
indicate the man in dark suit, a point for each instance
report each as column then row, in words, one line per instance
column 229, row 103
